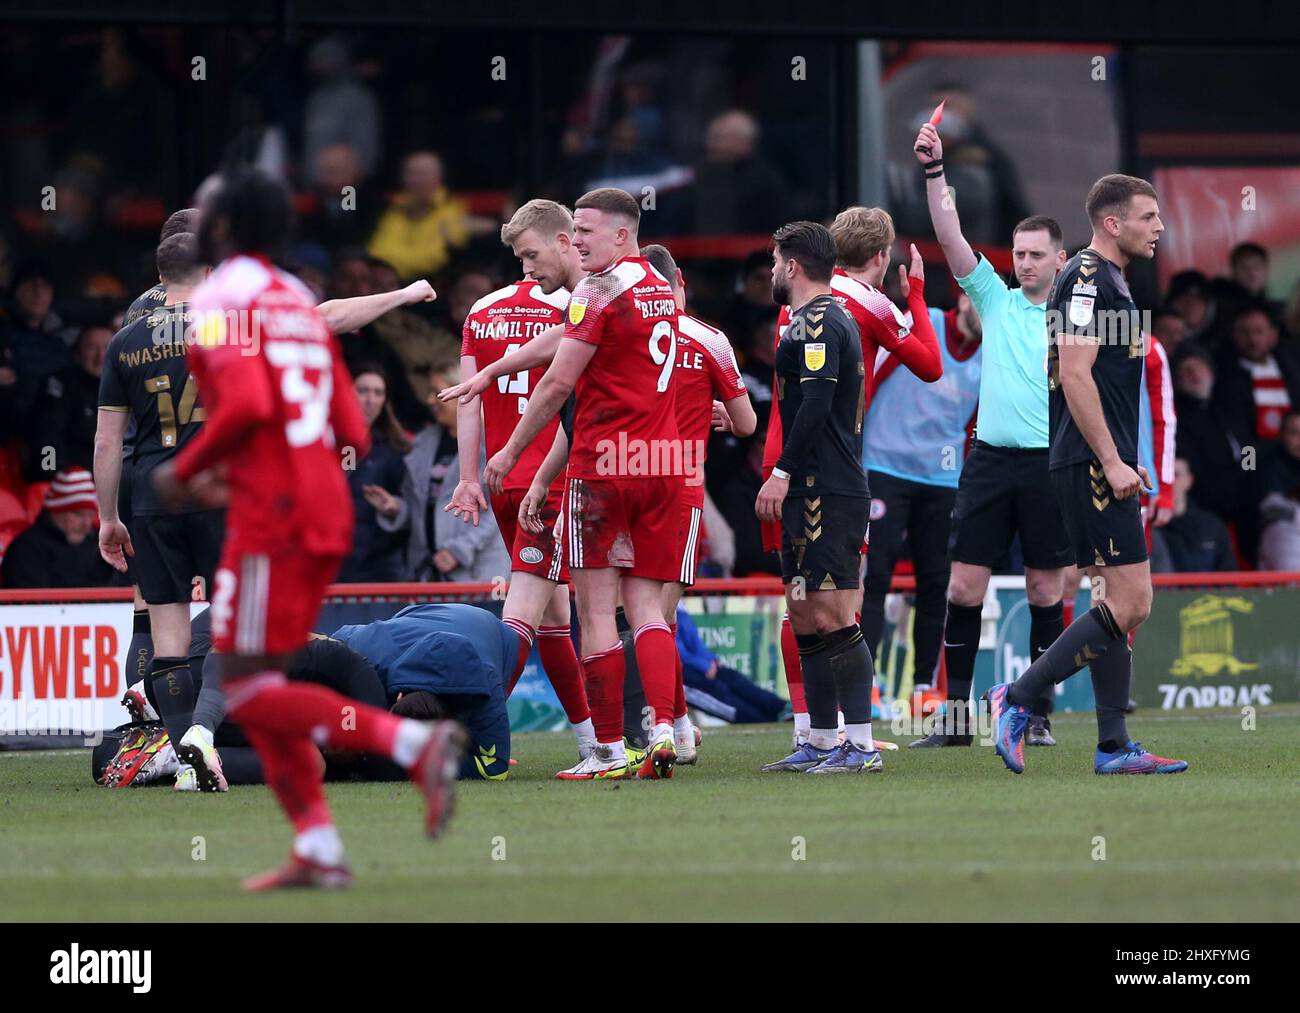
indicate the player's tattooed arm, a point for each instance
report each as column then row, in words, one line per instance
column 114, row 540
column 943, row 209
column 467, row 500
column 1077, row 354
column 530, row 355
column 552, row 391
column 347, row 315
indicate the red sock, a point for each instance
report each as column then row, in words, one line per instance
column 560, row 661
column 679, row 702
column 268, row 705
column 605, row 672
column 656, row 652
column 292, row 768
column 793, row 670
column 526, row 635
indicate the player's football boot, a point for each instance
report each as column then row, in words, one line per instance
column 133, row 740
column 196, row 751
column 137, row 704
column 186, row 780
column 301, row 872
column 635, row 754
column 435, row 774
column 687, row 753
column 585, row 748
column 601, row 765
column 160, row 766
column 877, row 712
column 846, row 758
column 1135, row 760
column 939, row 738
column 1039, row 732
column 1009, row 721
column 926, row 701
column 804, row 758
column 660, row 761
column 121, row 774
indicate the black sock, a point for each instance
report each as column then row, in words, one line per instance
column 1111, row 675
column 210, row 707
column 139, row 654
column 1046, row 623
column 851, row 667
column 173, row 689
column 1087, row 639
column 961, row 642
column 818, row 682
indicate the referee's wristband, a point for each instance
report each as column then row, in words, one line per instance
column 784, row 476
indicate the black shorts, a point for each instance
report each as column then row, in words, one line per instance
column 821, row 541
column 1002, row 491
column 1103, row 530
column 172, row 549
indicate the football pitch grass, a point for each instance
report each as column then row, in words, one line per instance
column 940, row 835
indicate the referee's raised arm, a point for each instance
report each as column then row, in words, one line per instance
column 943, row 209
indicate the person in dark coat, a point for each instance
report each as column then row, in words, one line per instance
column 376, row 485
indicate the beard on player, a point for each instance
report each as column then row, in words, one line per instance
column 781, row 291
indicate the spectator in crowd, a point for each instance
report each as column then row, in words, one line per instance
column 420, row 345
column 1169, row 329
column 1291, row 312
column 376, row 483
column 62, row 548
column 440, row 546
column 718, row 690
column 67, row 409
column 752, row 304
column 735, row 187
column 1279, row 470
column 424, row 224
column 350, row 278
column 1191, row 297
column 340, row 213
column 1194, row 540
column 468, row 288
column 37, row 340
column 1279, row 544
column 1203, row 438
column 1249, row 266
column 340, row 109
column 1258, row 382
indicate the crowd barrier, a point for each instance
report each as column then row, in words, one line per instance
column 1212, row 641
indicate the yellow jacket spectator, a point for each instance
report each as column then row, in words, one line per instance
column 418, row 231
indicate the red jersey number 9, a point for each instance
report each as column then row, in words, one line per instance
column 664, row 357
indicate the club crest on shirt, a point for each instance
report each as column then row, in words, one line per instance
column 1081, row 310
column 531, row 554
column 577, row 310
column 814, row 355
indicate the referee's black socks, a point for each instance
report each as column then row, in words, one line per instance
column 1088, row 638
column 961, row 642
column 173, row 691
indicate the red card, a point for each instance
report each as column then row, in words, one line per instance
column 936, row 117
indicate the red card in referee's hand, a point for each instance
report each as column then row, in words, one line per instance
column 936, row 117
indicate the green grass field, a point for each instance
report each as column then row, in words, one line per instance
column 940, row 835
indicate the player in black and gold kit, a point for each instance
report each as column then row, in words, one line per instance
column 818, row 491
column 1095, row 354
column 146, row 379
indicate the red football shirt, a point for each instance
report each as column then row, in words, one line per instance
column 497, row 325
column 706, row 371
column 625, row 424
column 280, row 406
column 883, row 329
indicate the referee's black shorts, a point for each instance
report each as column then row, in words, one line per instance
column 1002, row 491
column 172, row 549
column 1103, row 530
column 821, row 541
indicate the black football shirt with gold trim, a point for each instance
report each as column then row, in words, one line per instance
column 821, row 344
column 146, row 373
column 1090, row 301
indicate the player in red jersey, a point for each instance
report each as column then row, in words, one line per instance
column 709, row 392
column 863, row 238
column 626, row 475
column 537, row 604
column 280, row 405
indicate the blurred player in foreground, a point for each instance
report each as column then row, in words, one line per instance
column 280, row 404
column 1095, row 361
